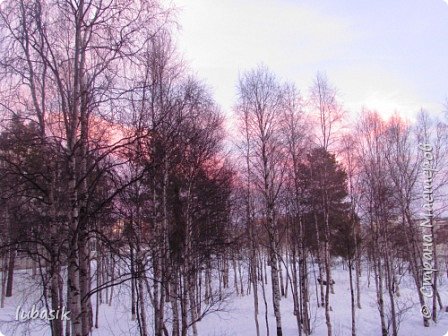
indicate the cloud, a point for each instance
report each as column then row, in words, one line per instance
column 365, row 56
column 364, row 85
column 235, row 33
column 220, row 39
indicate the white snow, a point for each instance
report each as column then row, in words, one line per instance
column 237, row 317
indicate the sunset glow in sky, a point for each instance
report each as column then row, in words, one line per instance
column 384, row 55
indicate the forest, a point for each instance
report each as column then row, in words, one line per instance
column 121, row 185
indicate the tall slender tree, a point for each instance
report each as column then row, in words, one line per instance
column 260, row 104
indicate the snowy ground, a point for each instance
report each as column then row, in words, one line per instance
column 237, row 317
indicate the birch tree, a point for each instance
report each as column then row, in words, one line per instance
column 297, row 142
column 66, row 59
column 379, row 209
column 328, row 114
column 260, row 104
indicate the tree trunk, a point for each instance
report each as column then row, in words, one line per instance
column 295, row 287
column 11, row 265
column 74, row 300
column 175, row 304
column 84, row 281
column 390, row 290
column 304, row 291
column 352, row 296
column 275, row 288
column 379, row 289
column 358, row 277
column 327, row 289
column 141, row 299
column 263, row 290
column 56, row 324
column 4, row 272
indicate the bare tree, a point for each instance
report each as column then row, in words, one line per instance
column 297, row 139
column 349, row 158
column 260, row 104
column 380, row 210
column 329, row 113
column 433, row 134
column 68, row 80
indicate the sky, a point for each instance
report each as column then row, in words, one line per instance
column 390, row 56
